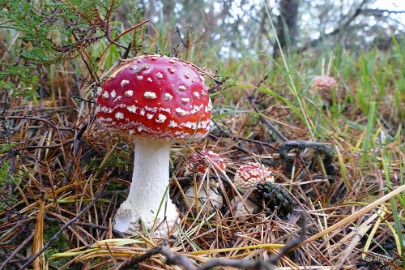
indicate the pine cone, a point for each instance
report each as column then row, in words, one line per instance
column 270, row 197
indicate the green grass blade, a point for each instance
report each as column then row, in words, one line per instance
column 367, row 138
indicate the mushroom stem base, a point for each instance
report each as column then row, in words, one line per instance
column 148, row 206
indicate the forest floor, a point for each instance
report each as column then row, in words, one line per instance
column 340, row 168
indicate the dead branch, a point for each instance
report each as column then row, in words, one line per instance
column 321, row 148
column 262, row 118
column 171, row 258
column 269, row 124
column 243, row 263
column 349, row 19
column 188, row 264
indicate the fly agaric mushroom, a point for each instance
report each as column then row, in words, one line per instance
column 155, row 101
column 250, row 174
column 205, row 199
column 324, row 82
column 323, row 85
column 203, row 160
column 247, row 177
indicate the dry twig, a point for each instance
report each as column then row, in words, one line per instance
column 188, row 264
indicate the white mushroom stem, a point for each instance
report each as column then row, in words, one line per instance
column 148, row 192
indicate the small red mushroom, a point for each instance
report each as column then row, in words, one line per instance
column 155, row 101
column 246, row 178
column 205, row 199
column 324, row 82
column 323, row 85
column 250, row 174
column 203, row 160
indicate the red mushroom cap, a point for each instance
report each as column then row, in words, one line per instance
column 249, row 175
column 155, row 97
column 204, row 159
column 324, row 82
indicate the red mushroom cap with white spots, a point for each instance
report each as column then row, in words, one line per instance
column 203, row 160
column 249, row 175
column 155, row 97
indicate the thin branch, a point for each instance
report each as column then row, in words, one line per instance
column 188, row 264
column 243, row 263
column 134, row 27
column 180, row 37
column 345, row 24
column 171, row 259
column 269, row 124
column 381, row 11
column 264, row 119
column 89, row 225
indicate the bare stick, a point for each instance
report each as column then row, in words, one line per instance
column 269, row 124
column 264, row 119
column 188, row 264
column 243, row 263
column 171, row 259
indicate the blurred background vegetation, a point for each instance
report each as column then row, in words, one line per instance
column 40, row 33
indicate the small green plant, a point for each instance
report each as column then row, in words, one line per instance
column 62, row 243
column 50, row 32
column 6, row 179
